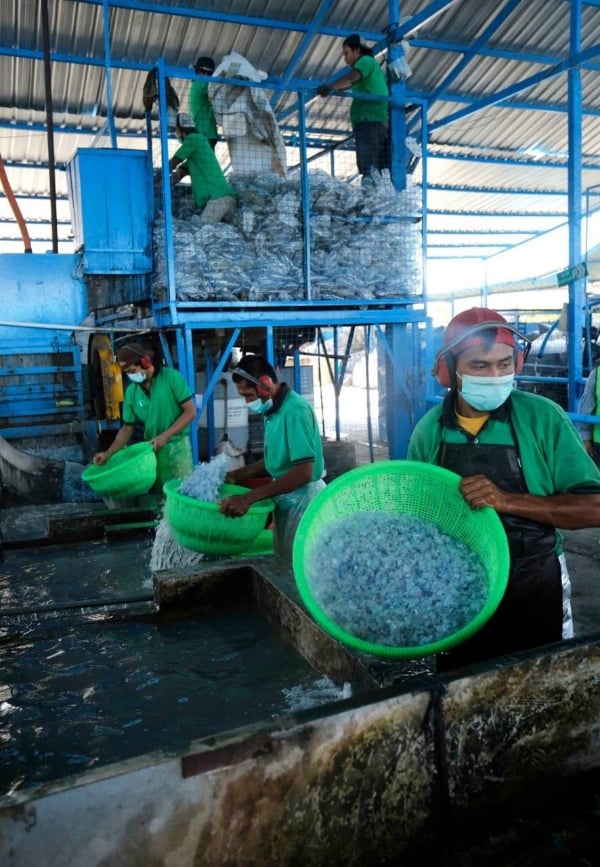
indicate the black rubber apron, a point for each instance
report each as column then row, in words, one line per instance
column 530, row 613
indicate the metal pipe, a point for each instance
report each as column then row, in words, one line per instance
column 83, row 603
column 50, row 124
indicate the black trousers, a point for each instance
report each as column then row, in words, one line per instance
column 529, row 615
column 372, row 146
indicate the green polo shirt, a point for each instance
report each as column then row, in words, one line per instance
column 372, row 81
column 292, row 437
column 206, row 175
column 201, row 110
column 552, row 455
column 157, row 410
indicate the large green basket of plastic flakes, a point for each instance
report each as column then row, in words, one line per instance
column 200, row 526
column 421, row 490
column 128, row 473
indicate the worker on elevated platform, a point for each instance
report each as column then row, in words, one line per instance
column 201, row 110
column 293, row 452
column 212, row 192
column 369, row 118
column 159, row 398
column 519, row 453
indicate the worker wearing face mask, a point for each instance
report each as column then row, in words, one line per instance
column 520, row 454
column 160, row 399
column 293, row 452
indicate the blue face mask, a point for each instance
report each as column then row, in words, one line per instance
column 486, row 393
column 260, row 407
column 138, row 377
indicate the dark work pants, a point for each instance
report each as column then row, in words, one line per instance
column 529, row 615
column 372, row 146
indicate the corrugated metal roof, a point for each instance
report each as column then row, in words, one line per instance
column 467, row 55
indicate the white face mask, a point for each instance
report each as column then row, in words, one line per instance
column 138, row 377
column 260, row 407
column 486, row 393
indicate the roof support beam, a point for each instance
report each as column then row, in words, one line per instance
column 574, row 61
column 469, row 55
column 227, row 18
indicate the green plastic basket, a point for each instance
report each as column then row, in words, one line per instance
column 128, row 473
column 200, row 526
column 423, row 491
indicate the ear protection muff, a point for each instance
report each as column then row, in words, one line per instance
column 444, row 368
column 264, row 384
column 145, row 360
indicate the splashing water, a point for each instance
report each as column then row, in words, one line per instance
column 167, row 554
column 318, row 692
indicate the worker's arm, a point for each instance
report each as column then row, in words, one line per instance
column 342, row 83
column 121, row 439
column 188, row 414
column 566, row 511
column 178, row 169
column 248, row 471
column 298, row 475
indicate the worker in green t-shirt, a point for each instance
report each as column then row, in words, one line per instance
column 212, row 192
column 160, row 399
column 201, row 110
column 293, row 452
column 369, row 118
column 518, row 453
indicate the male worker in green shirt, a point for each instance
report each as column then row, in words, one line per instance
column 520, row 454
column 159, row 398
column 368, row 117
column 211, row 190
column 293, row 452
column 201, row 110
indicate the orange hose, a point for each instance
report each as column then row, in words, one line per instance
column 15, row 207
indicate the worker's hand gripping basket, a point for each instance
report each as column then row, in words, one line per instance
column 390, row 560
column 199, row 526
column 130, row 472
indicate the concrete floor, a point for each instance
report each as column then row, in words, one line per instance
column 582, row 550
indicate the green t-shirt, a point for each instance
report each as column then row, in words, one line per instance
column 552, row 455
column 372, row 81
column 201, row 110
column 292, row 437
column 208, row 180
column 158, row 409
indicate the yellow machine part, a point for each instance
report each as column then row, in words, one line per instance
column 108, row 377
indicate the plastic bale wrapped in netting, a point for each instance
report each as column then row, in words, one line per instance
column 365, row 242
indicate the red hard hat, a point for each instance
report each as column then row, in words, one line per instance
column 468, row 322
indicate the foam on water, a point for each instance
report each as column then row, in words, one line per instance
column 318, row 692
column 394, row 580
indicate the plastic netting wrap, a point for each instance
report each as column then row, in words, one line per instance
column 365, row 242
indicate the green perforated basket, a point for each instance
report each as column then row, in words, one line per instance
column 423, row 491
column 200, row 526
column 128, row 473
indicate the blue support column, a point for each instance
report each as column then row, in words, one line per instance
column 108, row 74
column 166, row 188
column 398, row 153
column 577, row 287
column 305, row 195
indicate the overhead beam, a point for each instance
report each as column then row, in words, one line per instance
column 517, row 87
